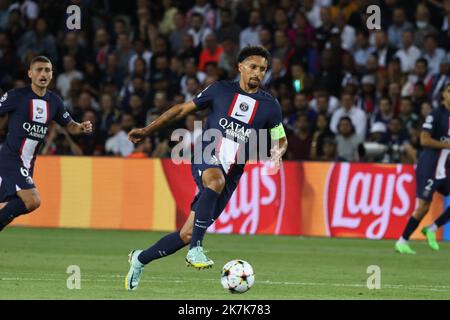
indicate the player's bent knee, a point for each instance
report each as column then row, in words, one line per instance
column 32, row 203
column 216, row 184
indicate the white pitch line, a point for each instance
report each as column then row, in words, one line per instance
column 438, row 288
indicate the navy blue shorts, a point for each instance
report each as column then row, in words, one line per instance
column 231, row 182
column 427, row 185
column 14, row 177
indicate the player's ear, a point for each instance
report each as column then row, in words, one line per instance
column 240, row 67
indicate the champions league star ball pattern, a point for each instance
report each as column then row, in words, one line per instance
column 237, row 276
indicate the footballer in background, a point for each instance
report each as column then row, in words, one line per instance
column 30, row 111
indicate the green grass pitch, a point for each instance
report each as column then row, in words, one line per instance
column 34, row 262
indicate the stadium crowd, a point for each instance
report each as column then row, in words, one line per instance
column 347, row 93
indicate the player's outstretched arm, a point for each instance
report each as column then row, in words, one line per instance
column 427, row 141
column 177, row 112
column 76, row 128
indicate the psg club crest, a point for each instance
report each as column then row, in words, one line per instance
column 39, row 110
column 243, row 106
column 4, row 97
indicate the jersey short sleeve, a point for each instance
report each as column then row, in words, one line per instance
column 430, row 121
column 7, row 102
column 205, row 98
column 62, row 116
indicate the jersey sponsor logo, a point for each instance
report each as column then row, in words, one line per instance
column 35, row 130
column 243, row 108
column 39, row 111
column 233, row 129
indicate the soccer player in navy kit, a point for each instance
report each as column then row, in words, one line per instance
column 30, row 111
column 432, row 174
column 235, row 109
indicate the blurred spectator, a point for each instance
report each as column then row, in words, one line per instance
column 321, row 134
column 65, row 78
column 250, row 35
column 348, row 109
column 409, row 52
column 301, row 138
column 440, row 80
column 395, row 139
column 312, row 11
column 383, row 51
column 385, row 112
column 398, row 27
column 420, row 74
column 227, row 61
column 197, row 30
column 433, row 54
column 348, row 142
column 59, row 142
column 329, row 150
column 423, row 25
column 211, row 51
column 118, row 143
column 38, row 42
column 143, row 149
column 102, row 47
column 408, row 118
column 94, row 143
column 228, row 29
column 167, row 22
column 176, row 35
column 363, row 49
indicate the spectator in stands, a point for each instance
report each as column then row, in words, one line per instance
column 409, row 53
column 211, row 51
column 348, row 142
column 302, row 138
column 348, row 109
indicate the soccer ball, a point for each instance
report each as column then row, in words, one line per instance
column 237, row 276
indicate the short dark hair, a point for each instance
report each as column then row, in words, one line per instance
column 254, row 51
column 39, row 59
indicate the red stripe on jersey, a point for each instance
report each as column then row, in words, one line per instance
column 235, row 160
column 254, row 112
column 31, row 110
column 48, row 110
column 232, row 104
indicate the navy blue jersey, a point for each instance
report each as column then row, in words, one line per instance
column 433, row 162
column 29, row 117
column 238, row 116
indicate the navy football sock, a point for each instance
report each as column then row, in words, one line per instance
column 410, row 227
column 443, row 218
column 13, row 209
column 203, row 214
column 167, row 245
